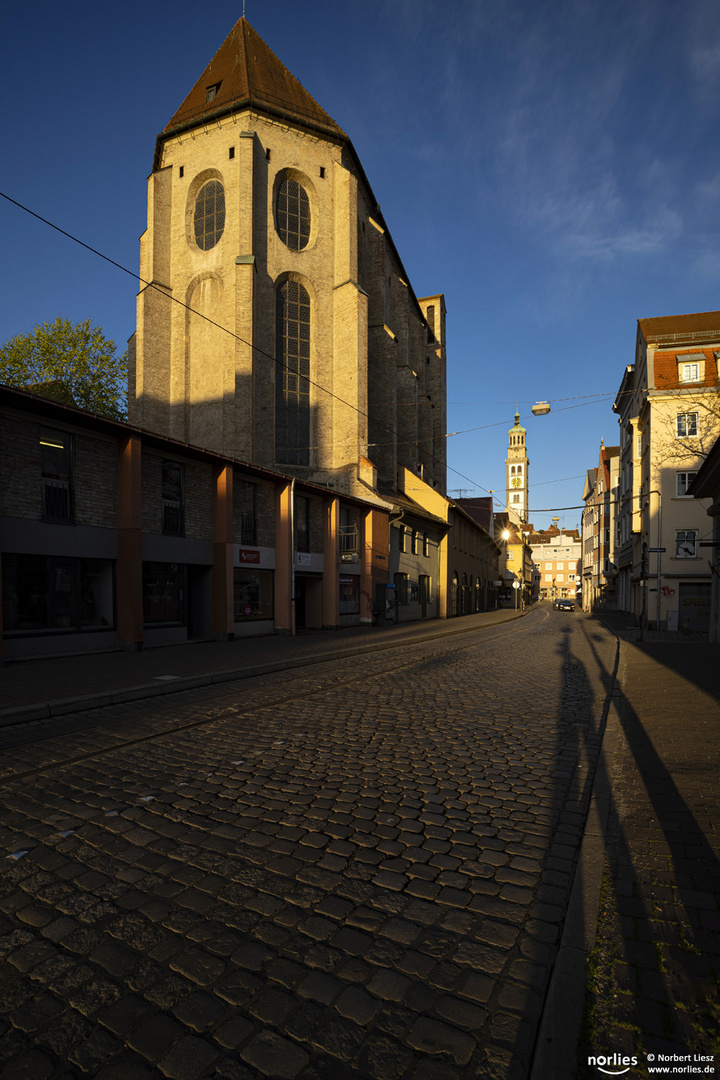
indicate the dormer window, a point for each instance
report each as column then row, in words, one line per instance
column 211, row 92
column 691, row 368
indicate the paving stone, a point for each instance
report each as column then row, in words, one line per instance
column 35, row 1012
column 33, row 1065
column 67, row 1030
column 155, row 1036
column 200, row 1011
column 233, row 1033
column 125, row 1014
column 340, row 1038
column 357, row 1005
column 461, row 1013
column 319, row 987
column 274, row 1056
column 188, row 1059
column 389, row 985
column 435, row 1038
column 89, row 1055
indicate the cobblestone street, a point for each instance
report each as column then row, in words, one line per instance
column 350, row 870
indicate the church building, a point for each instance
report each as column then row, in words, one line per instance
column 276, row 323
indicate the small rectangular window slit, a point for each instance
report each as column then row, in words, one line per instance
column 182, row 171
column 232, row 152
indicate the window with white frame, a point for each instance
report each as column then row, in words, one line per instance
column 687, row 425
column 548, row 577
column 561, row 566
column 683, row 480
column 561, row 577
column 686, row 542
column 548, row 566
column 691, row 368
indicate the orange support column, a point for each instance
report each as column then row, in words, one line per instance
column 367, row 586
column 331, row 569
column 128, row 571
column 223, row 606
column 284, row 605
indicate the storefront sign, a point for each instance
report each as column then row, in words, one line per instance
column 247, row 555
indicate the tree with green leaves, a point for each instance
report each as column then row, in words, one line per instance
column 74, row 363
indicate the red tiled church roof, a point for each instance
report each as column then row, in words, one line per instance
column 248, row 73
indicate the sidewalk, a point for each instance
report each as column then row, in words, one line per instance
column 641, row 941
column 37, row 689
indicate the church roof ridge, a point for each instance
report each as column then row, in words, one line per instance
column 246, row 72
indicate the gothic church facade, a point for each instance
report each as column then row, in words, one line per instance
column 298, row 343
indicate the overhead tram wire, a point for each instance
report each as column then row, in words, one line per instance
column 224, row 329
column 255, row 348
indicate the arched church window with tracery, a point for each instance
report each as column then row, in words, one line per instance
column 209, row 214
column 293, row 215
column 292, row 397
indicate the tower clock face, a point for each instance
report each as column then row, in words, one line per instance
column 516, row 482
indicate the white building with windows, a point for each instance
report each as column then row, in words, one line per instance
column 557, row 563
column 668, row 408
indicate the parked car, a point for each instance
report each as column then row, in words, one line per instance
column 565, row 605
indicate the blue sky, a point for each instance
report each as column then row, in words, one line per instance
column 552, row 166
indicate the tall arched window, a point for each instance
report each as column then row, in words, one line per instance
column 292, row 398
column 293, row 214
column 209, row 216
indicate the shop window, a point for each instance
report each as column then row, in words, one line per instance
column 164, row 594
column 248, row 512
column 173, row 503
column 253, row 594
column 402, row 588
column 56, row 471
column 302, row 523
column 425, row 589
column 44, row 593
column 349, row 594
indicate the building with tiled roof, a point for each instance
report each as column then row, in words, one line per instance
column 293, row 299
column 276, row 323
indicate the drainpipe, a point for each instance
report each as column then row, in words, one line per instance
column 292, row 556
column 659, row 558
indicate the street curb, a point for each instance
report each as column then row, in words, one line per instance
column 556, row 1047
column 84, row 702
